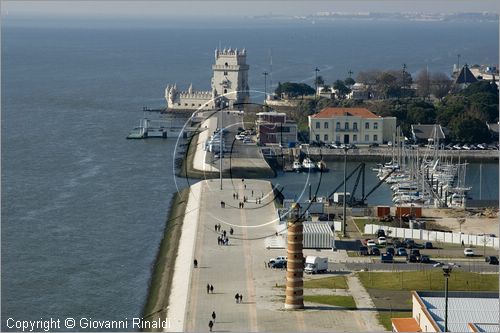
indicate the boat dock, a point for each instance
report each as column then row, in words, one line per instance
column 160, row 128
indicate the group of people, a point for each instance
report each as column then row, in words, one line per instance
column 212, row 322
column 210, row 288
column 238, row 297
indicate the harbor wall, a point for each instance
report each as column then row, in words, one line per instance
column 156, row 303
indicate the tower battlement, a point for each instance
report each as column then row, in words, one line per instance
column 229, row 84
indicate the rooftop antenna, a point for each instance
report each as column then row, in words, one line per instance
column 350, row 73
column 220, row 46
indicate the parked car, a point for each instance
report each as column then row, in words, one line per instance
column 396, row 243
column 280, row 258
column 468, row 252
column 279, row 264
column 391, row 251
column 371, row 242
column 428, row 245
column 412, row 258
column 380, row 233
column 382, row 241
column 386, row 258
column 373, row 145
column 424, row 259
column 415, row 252
column 402, row 252
column 409, row 243
column 492, row 260
column 363, row 251
column 374, row 251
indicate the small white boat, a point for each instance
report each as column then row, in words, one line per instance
column 308, row 164
column 321, row 166
column 297, row 167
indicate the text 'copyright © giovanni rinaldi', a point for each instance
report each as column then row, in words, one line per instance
column 84, row 323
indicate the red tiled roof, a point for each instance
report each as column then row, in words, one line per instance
column 405, row 325
column 335, row 112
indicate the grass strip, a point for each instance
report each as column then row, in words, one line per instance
column 429, row 280
column 384, row 317
column 342, row 301
column 161, row 280
column 333, row 282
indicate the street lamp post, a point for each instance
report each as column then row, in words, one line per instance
column 316, row 70
column 344, row 220
column 265, row 86
column 446, row 273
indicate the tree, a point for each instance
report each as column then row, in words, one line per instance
column 319, row 81
column 349, row 81
column 294, row 89
column 387, row 85
column 341, row 88
column 279, row 90
column 368, row 77
column 450, row 107
column 481, row 87
column 440, row 85
column 424, row 83
column 467, row 129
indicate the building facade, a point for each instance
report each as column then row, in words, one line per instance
column 229, row 85
column 273, row 127
column 467, row 312
column 350, row 125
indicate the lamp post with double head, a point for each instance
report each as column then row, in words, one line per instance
column 344, row 219
column 446, row 272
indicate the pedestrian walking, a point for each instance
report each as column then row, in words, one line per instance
column 252, row 193
column 231, row 231
column 216, row 228
column 208, row 288
column 210, row 325
column 195, row 262
column 212, row 289
column 237, row 297
column 463, row 244
column 224, row 233
column 245, row 186
column 218, row 240
column 241, row 298
column 213, row 316
column 234, row 195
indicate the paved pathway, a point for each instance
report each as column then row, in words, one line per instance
column 240, row 268
column 366, row 313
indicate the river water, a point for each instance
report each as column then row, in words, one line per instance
column 83, row 209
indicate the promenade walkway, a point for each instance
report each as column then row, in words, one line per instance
column 240, row 267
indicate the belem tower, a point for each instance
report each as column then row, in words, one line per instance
column 229, row 85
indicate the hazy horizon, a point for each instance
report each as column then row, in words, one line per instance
column 123, row 9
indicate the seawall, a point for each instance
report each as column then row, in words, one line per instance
column 156, row 303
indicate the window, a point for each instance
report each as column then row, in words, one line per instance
column 192, row 104
column 325, row 125
column 185, row 104
column 375, row 125
column 338, row 125
column 318, row 124
column 225, row 91
column 317, row 137
column 375, row 138
column 337, row 138
column 225, row 72
column 367, row 138
column 355, row 126
column 226, row 64
column 325, row 138
column 355, row 138
column 367, row 125
column 346, row 126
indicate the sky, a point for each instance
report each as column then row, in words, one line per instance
column 70, row 8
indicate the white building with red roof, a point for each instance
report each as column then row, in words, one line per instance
column 350, row 125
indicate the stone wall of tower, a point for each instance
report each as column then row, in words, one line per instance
column 294, row 294
column 230, row 75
